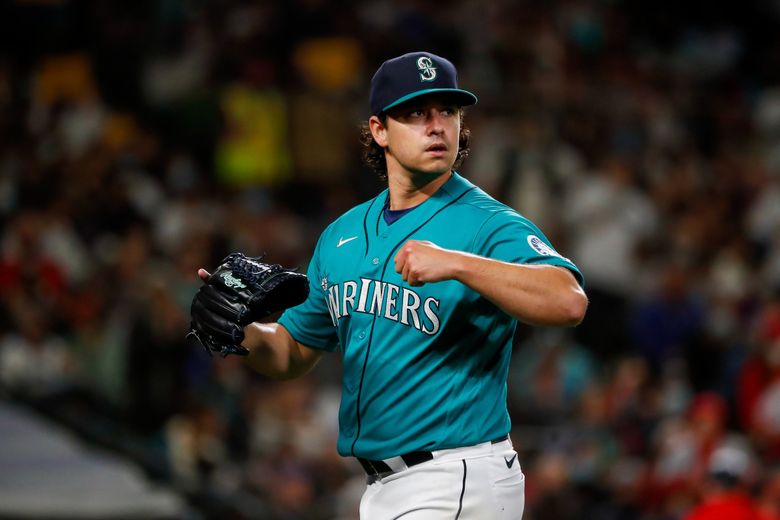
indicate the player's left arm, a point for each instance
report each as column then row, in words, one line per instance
column 536, row 294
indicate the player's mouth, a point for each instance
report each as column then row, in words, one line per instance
column 437, row 149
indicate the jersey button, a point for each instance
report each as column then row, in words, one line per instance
column 362, row 335
column 375, row 261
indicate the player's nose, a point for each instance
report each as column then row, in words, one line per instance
column 435, row 122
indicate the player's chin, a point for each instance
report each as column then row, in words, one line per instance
column 437, row 165
column 436, row 155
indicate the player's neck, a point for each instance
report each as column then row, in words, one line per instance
column 410, row 191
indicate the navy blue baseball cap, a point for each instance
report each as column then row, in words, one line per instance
column 412, row 75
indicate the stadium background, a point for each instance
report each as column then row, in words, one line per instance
column 141, row 140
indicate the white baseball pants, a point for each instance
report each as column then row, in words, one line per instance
column 481, row 482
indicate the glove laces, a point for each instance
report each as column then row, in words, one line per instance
column 249, row 268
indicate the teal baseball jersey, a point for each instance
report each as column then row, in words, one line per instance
column 424, row 368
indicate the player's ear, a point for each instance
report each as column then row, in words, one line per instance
column 378, row 130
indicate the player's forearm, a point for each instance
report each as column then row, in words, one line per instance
column 535, row 294
column 274, row 353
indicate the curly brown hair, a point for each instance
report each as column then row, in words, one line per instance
column 374, row 155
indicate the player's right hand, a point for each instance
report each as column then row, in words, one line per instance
column 420, row 262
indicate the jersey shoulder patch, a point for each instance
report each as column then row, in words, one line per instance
column 538, row 245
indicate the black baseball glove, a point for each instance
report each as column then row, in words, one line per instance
column 241, row 290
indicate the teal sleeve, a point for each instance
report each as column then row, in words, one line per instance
column 310, row 323
column 509, row 237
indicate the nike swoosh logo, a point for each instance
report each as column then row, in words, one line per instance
column 510, row 461
column 343, row 241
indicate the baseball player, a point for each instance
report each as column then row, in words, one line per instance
column 419, row 290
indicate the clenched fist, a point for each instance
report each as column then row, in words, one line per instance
column 421, row 262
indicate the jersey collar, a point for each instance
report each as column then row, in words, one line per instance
column 455, row 186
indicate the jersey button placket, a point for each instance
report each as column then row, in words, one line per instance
column 350, row 384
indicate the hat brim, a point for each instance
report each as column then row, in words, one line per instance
column 462, row 97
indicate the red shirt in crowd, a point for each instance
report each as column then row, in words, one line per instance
column 727, row 506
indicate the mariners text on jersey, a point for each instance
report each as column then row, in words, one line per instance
column 384, row 300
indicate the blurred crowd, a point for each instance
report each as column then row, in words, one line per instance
column 142, row 140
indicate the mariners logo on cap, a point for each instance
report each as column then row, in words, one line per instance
column 396, row 81
column 426, row 68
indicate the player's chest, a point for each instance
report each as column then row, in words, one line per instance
column 359, row 281
column 371, row 252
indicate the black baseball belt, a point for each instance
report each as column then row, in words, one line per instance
column 382, row 468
